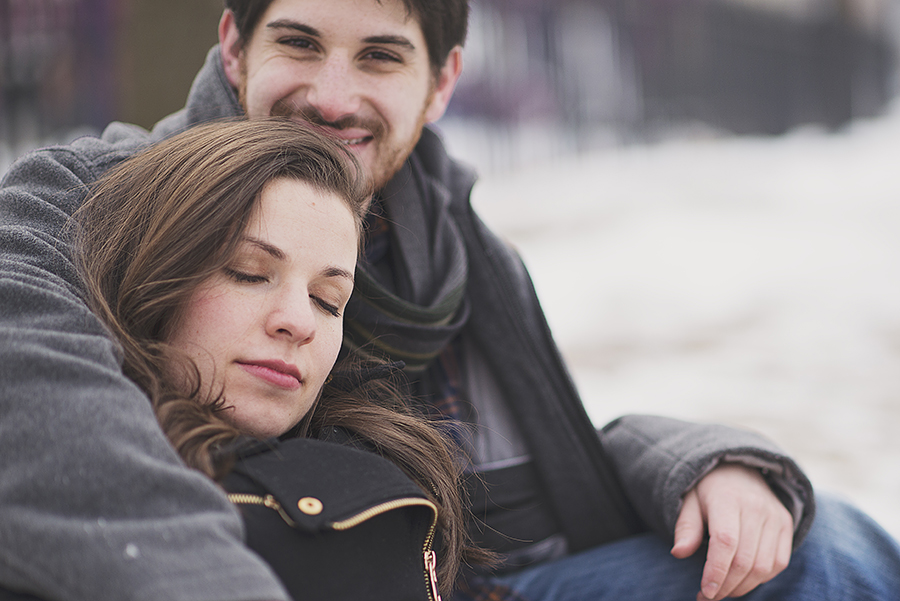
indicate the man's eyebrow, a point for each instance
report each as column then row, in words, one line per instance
column 295, row 25
column 393, row 40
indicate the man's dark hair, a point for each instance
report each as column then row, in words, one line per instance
column 444, row 23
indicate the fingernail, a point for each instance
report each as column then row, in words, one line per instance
column 709, row 591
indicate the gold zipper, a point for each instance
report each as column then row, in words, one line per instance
column 430, row 558
column 431, row 575
column 370, row 513
column 267, row 501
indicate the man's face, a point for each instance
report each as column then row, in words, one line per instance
column 357, row 67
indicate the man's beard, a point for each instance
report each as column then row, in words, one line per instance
column 388, row 161
column 376, row 127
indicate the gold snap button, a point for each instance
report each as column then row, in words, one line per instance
column 310, row 505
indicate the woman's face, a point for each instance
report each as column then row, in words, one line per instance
column 267, row 329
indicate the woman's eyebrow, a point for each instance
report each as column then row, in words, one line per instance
column 272, row 250
column 337, row 272
column 277, row 253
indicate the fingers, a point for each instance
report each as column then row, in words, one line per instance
column 725, row 536
column 772, row 555
column 750, row 532
column 690, row 527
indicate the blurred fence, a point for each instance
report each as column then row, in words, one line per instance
column 72, row 65
column 754, row 71
column 56, row 67
column 586, row 70
column 624, row 67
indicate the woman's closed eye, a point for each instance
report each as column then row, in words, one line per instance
column 245, row 277
column 329, row 308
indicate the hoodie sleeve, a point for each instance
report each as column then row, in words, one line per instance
column 660, row 459
column 94, row 502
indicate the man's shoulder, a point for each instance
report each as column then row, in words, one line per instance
column 117, row 142
column 86, row 158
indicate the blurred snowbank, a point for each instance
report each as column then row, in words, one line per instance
column 751, row 281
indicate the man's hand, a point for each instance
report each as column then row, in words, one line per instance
column 750, row 531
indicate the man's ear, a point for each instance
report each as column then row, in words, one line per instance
column 444, row 86
column 231, row 47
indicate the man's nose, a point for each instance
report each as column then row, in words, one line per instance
column 334, row 90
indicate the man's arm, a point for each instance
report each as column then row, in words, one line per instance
column 691, row 480
column 94, row 502
column 660, row 459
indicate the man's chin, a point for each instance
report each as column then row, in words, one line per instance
column 383, row 171
column 380, row 175
column 379, row 171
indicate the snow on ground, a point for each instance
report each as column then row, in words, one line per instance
column 750, row 281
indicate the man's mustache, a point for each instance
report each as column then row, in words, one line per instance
column 312, row 115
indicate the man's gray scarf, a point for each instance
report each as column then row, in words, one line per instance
column 409, row 307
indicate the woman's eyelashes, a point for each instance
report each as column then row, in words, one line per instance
column 329, row 308
column 248, row 277
column 245, row 277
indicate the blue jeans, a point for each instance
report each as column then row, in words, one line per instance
column 845, row 557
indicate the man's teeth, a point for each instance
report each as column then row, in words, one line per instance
column 353, row 141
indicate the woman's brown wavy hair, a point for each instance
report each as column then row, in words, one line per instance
column 156, row 226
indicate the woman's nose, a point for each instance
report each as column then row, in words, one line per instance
column 292, row 317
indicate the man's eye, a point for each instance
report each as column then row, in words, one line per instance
column 302, row 43
column 383, row 56
column 246, row 278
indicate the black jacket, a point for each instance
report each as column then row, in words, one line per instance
column 335, row 522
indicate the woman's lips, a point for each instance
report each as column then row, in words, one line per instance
column 275, row 372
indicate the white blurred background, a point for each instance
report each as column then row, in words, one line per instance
column 749, row 281
column 714, row 229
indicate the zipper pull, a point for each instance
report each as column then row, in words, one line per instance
column 430, row 567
